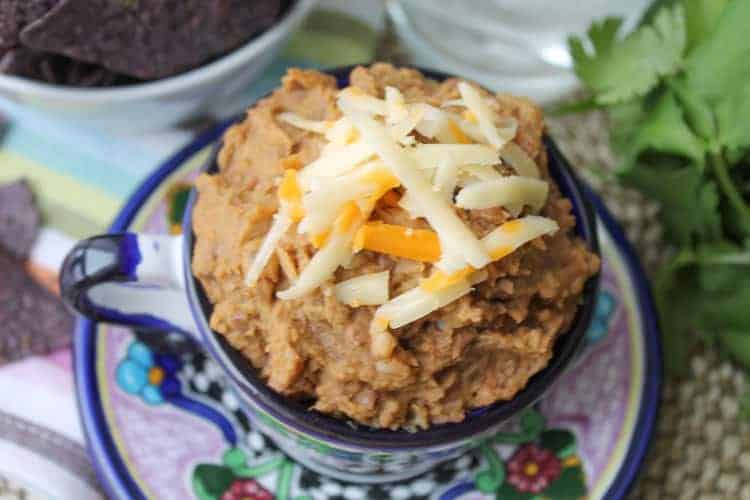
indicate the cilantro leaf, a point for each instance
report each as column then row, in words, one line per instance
column 620, row 70
column 665, row 160
column 665, row 130
column 707, row 290
column 689, row 203
column 733, row 122
column 720, row 63
column 701, row 17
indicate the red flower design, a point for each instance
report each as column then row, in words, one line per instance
column 246, row 489
column 532, row 468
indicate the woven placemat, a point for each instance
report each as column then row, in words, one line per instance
column 701, row 448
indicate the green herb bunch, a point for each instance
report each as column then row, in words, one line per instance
column 677, row 93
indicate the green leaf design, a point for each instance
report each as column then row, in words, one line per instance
column 562, row 442
column 571, row 485
column 491, row 478
column 211, row 481
column 234, row 458
column 178, row 202
column 531, row 422
column 508, row 492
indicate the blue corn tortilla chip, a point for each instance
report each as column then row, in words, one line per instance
column 15, row 15
column 148, row 39
column 34, row 321
column 57, row 69
column 19, row 219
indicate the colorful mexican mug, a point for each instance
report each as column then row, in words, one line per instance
column 146, row 281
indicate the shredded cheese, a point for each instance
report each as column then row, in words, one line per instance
column 372, row 150
column 516, row 157
column 399, row 241
column 502, row 241
column 484, row 114
column 395, row 106
column 512, row 192
column 334, row 161
column 364, row 290
column 433, row 155
column 319, row 127
column 364, row 102
column 453, row 232
column 335, row 252
column 290, row 195
column 280, row 225
column 418, row 303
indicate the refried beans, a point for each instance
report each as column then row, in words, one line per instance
column 476, row 350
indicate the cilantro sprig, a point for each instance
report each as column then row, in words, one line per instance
column 677, row 92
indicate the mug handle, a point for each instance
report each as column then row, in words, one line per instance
column 129, row 279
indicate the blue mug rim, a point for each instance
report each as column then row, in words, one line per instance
column 342, row 432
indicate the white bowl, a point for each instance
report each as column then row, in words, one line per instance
column 517, row 46
column 165, row 102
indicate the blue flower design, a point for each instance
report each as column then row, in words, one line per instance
column 605, row 307
column 151, row 376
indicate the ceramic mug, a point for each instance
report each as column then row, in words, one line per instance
column 146, row 281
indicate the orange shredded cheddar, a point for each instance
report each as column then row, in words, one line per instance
column 348, row 217
column 289, row 190
column 290, row 195
column 458, row 133
column 439, row 280
column 385, row 181
column 400, row 241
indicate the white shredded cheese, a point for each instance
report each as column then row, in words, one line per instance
column 432, row 155
column 365, row 290
column 400, row 130
column 482, row 172
column 418, row 303
column 512, row 192
column 334, row 253
column 453, row 102
column 408, row 203
column 341, row 132
column 280, row 225
column 335, row 160
column 319, row 127
column 516, row 157
column 452, row 231
column 508, row 237
column 445, row 181
column 485, row 116
column 395, row 106
column 364, row 102
column 323, row 203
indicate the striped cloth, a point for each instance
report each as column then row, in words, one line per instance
column 80, row 178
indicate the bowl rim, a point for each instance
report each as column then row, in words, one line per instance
column 341, row 432
column 204, row 73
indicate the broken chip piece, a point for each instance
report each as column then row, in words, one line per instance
column 19, row 219
column 34, row 320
